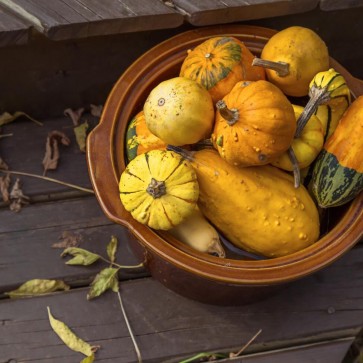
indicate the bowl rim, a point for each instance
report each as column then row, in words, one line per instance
column 105, row 170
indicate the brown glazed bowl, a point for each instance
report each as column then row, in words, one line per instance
column 199, row 276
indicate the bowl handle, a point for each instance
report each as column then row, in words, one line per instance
column 102, row 174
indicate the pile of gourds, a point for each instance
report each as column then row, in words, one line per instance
column 222, row 146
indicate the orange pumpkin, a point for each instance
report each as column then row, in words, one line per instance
column 255, row 123
column 219, row 63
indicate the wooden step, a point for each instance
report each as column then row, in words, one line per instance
column 68, row 19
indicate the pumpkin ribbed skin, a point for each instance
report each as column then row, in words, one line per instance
column 139, row 139
column 159, row 188
column 263, row 213
column 264, row 128
column 338, row 172
column 219, row 63
column 306, row 147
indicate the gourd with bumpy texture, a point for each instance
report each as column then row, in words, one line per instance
column 338, row 172
column 139, row 139
column 306, row 147
column 159, row 188
column 219, row 63
column 254, row 125
column 179, row 111
column 262, row 213
column 292, row 57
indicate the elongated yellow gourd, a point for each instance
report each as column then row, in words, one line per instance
column 261, row 211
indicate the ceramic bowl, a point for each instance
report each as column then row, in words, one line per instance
column 192, row 274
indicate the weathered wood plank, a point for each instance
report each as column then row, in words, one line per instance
column 69, row 19
column 210, row 12
column 26, row 241
column 13, row 30
column 167, row 325
column 25, row 150
column 328, row 5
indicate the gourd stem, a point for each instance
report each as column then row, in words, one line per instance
column 230, row 115
column 295, row 165
column 318, row 96
column 281, row 68
column 156, row 188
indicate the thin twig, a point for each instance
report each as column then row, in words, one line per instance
column 233, row 355
column 5, row 135
column 137, row 350
column 48, row 179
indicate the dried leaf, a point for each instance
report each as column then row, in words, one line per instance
column 37, row 287
column 81, row 135
column 68, row 239
column 104, row 280
column 6, row 118
column 112, row 248
column 17, row 197
column 75, row 115
column 5, row 182
column 96, row 110
column 69, row 338
column 81, row 256
column 51, row 157
column 89, row 359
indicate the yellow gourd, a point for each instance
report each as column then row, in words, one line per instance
column 179, row 111
column 159, row 188
column 292, row 57
column 256, row 208
column 306, row 147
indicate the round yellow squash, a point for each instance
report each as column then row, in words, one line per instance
column 307, row 146
column 179, row 111
column 159, row 188
column 256, row 208
column 292, row 57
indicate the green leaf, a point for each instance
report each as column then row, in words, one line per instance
column 89, row 359
column 104, row 280
column 6, row 118
column 112, row 249
column 81, row 256
column 69, row 338
column 37, row 287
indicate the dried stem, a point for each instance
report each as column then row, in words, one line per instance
column 232, row 355
column 318, row 96
column 47, row 179
column 295, row 165
column 230, row 115
column 281, row 68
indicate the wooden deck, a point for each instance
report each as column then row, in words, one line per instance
column 315, row 319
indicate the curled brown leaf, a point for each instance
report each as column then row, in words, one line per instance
column 96, row 110
column 75, row 115
column 68, row 239
column 17, row 197
column 52, row 155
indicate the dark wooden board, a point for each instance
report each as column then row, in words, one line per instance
column 167, row 325
column 25, row 150
column 26, row 241
column 13, row 30
column 329, row 5
column 69, row 19
column 211, row 12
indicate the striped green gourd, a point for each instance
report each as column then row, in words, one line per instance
column 338, row 172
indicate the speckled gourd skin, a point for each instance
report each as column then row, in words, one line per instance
column 256, row 208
